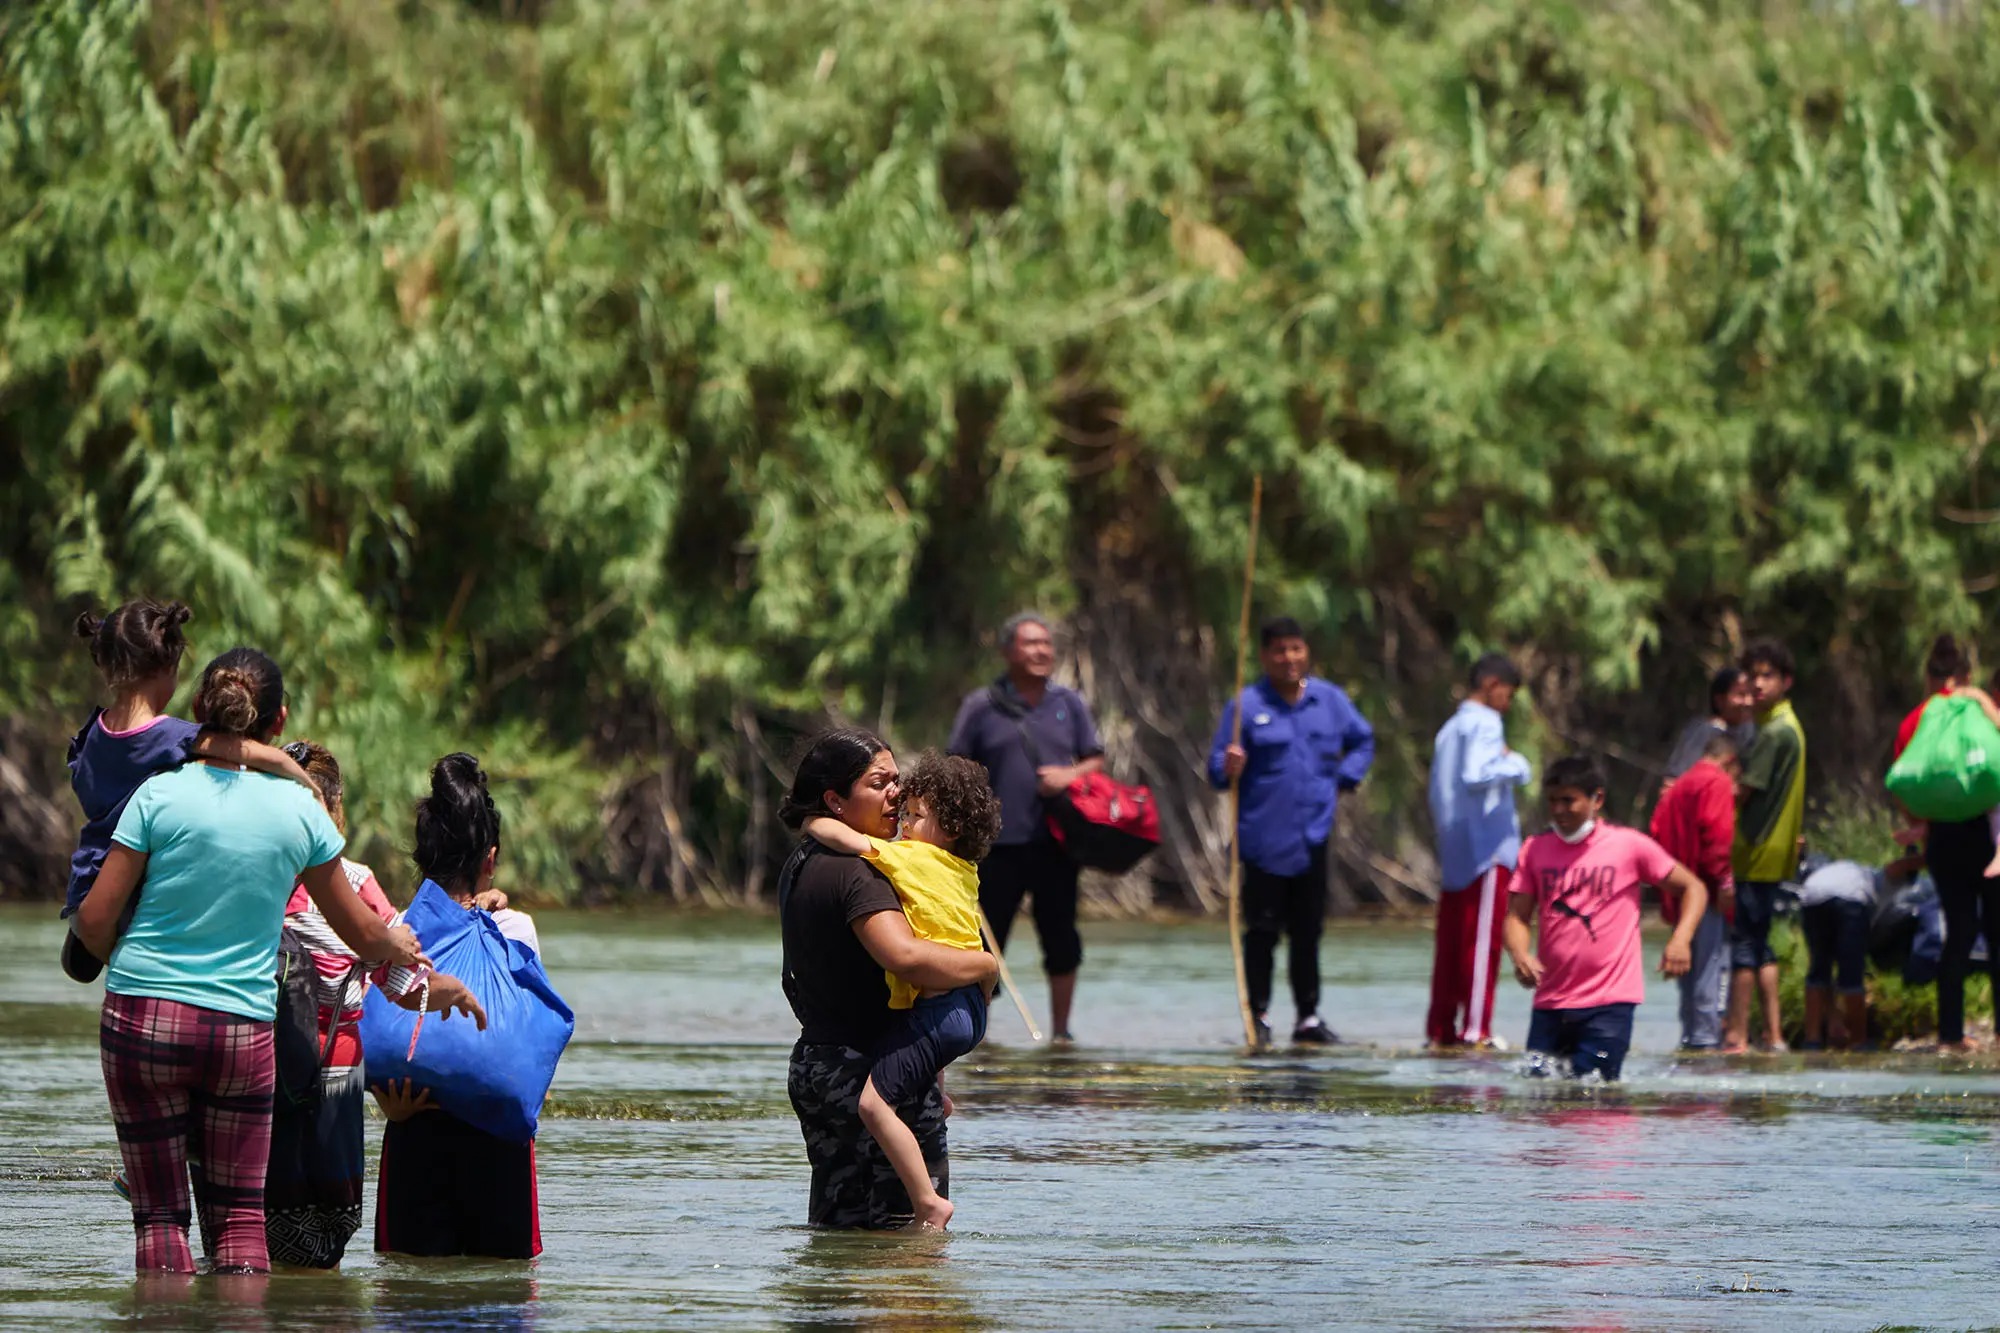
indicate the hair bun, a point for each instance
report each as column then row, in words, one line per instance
column 457, row 779
column 232, row 700
column 177, row 614
column 88, row 624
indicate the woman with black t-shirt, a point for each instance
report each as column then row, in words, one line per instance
column 843, row 928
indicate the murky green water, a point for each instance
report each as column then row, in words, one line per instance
column 1151, row 1178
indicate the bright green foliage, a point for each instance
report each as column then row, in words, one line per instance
column 619, row 395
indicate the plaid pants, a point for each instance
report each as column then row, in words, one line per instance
column 173, row 1070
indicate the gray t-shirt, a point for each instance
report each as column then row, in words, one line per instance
column 1063, row 732
column 1842, row 881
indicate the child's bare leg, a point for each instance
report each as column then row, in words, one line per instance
column 1736, row 1022
column 1993, row 823
column 899, row 1144
column 1774, row 1023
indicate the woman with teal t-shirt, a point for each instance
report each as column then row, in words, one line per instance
column 191, row 991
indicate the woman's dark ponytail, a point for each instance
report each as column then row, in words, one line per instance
column 457, row 823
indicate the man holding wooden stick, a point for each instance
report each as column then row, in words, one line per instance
column 1303, row 742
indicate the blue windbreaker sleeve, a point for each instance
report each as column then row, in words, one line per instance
column 1357, row 746
column 1217, row 778
column 1487, row 760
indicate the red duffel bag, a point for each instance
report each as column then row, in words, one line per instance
column 1104, row 824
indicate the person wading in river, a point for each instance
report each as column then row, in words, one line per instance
column 1035, row 738
column 191, row 992
column 1578, row 888
column 843, row 929
column 1303, row 743
column 1473, row 776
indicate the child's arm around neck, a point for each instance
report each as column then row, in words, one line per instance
column 835, row 836
column 246, row 753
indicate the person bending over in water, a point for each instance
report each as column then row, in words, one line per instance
column 1584, row 875
column 949, row 819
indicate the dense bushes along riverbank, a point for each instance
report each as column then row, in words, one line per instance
column 623, row 388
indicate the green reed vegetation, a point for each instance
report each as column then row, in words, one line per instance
column 621, row 389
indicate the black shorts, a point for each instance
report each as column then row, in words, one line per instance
column 1594, row 1038
column 1750, row 933
column 938, row 1030
column 1837, row 938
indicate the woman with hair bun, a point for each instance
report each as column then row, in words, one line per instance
column 191, row 991
column 446, row 1187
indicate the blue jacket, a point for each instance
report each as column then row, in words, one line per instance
column 1472, row 796
column 1301, row 756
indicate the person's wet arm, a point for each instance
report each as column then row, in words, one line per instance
column 97, row 918
column 836, row 836
column 1519, row 937
column 246, row 753
column 358, row 927
column 1678, row 957
column 924, row 964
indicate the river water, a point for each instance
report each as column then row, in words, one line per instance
column 1152, row 1177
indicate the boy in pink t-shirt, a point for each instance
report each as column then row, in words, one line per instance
column 1584, row 876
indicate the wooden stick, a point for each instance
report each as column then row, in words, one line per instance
column 1007, row 977
column 1236, row 783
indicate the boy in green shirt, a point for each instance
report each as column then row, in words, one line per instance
column 1770, row 816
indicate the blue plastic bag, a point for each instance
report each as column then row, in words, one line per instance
column 496, row 1079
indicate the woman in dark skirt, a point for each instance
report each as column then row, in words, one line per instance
column 446, row 1187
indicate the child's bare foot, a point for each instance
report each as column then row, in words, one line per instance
column 1734, row 1048
column 934, row 1214
column 1957, row 1047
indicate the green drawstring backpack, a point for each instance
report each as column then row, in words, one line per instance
column 1950, row 770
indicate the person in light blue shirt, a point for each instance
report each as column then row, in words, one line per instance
column 1473, row 777
column 1303, row 743
column 191, row 991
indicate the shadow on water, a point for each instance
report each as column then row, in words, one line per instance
column 876, row 1281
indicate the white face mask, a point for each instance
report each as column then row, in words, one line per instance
column 1582, row 832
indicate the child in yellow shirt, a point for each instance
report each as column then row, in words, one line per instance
column 948, row 818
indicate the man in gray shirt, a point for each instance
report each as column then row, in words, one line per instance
column 1035, row 738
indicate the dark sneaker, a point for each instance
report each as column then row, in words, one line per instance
column 1262, row 1025
column 79, row 963
column 1312, row 1032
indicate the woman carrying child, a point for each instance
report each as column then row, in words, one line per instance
column 948, row 816
column 844, row 930
column 191, row 990
column 138, row 650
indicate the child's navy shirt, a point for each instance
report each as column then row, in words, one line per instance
column 105, row 768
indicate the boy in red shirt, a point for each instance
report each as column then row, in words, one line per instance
column 1584, row 876
column 1695, row 822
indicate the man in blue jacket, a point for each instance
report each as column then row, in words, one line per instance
column 1303, row 743
column 1473, row 776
